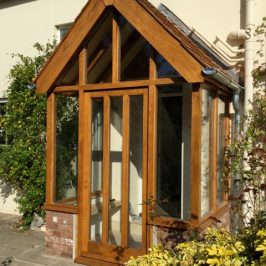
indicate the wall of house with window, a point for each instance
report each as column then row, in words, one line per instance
column 23, row 23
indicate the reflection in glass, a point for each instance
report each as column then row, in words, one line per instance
column 134, row 53
column 96, row 217
column 220, row 149
column 70, row 74
column 116, row 142
column 169, row 155
column 135, row 171
column 100, row 53
column 66, row 149
column 206, row 130
column 97, row 164
column 164, row 69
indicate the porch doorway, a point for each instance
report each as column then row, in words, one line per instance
column 113, row 217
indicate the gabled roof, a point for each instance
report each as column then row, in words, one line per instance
column 167, row 39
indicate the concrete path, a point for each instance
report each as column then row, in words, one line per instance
column 24, row 248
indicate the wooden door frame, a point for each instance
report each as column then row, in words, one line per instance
column 85, row 185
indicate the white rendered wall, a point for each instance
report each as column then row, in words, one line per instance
column 22, row 25
column 215, row 18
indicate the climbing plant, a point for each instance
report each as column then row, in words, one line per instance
column 22, row 160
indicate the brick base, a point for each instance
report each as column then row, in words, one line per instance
column 59, row 234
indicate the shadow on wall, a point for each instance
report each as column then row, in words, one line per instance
column 5, row 191
column 11, row 3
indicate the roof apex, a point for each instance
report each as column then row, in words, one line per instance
column 170, row 42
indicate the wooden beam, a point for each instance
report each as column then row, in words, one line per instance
column 160, row 39
column 84, row 166
column 69, row 46
column 119, row 85
column 116, row 51
column 152, row 144
column 195, row 154
column 83, row 58
column 50, row 150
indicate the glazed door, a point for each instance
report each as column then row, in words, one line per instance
column 113, row 216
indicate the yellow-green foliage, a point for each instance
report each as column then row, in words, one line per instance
column 157, row 255
column 218, row 248
column 261, row 245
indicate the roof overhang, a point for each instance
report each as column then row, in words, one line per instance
column 174, row 46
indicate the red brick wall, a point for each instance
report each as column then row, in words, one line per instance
column 59, row 234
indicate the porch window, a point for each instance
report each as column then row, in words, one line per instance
column 215, row 133
column 66, row 149
column 169, row 153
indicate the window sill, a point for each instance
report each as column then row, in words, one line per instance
column 214, row 215
column 61, row 208
column 170, row 223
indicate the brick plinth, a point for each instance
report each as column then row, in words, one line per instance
column 59, row 234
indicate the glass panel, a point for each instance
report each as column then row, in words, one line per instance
column 135, row 171
column 97, row 164
column 100, row 53
column 164, row 69
column 70, row 74
column 66, row 149
column 134, row 53
column 116, row 142
column 169, row 154
column 220, row 149
column 206, row 130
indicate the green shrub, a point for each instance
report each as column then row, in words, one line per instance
column 22, row 161
column 217, row 247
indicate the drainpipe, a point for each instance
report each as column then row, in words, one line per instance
column 249, row 54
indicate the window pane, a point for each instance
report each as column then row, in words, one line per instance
column 164, row 69
column 116, row 142
column 134, row 53
column 220, row 148
column 135, row 171
column 169, row 153
column 66, row 149
column 97, row 165
column 206, row 143
column 100, row 52
column 70, row 74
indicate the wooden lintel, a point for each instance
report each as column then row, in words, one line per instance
column 120, row 85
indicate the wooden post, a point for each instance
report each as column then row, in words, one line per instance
column 195, row 153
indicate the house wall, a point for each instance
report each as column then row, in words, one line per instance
column 23, row 23
column 215, row 18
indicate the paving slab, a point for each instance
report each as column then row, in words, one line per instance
column 24, row 248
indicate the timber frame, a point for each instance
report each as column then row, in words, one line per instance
column 176, row 49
